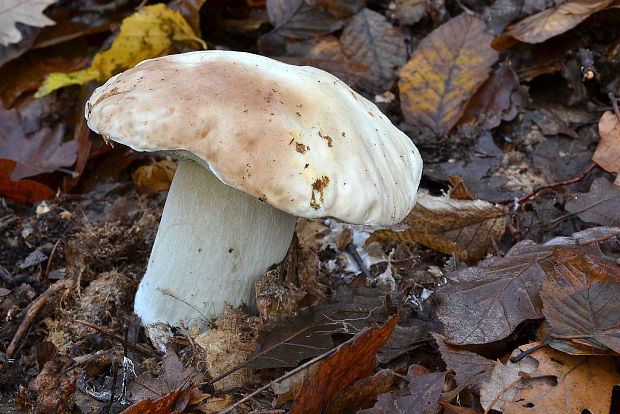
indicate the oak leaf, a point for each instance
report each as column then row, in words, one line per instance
column 445, row 70
column 28, row 12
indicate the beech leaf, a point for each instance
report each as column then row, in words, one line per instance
column 445, row 70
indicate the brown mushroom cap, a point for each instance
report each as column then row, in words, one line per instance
column 295, row 137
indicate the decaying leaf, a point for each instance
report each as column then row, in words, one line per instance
column 445, row 70
column 425, row 388
column 450, row 226
column 154, row 178
column 549, row 381
column 581, row 297
column 485, row 303
column 362, row 394
column 28, row 12
column 145, row 34
column 173, row 379
column 172, row 402
column 607, row 153
column 601, row 205
column 371, row 41
column 409, row 12
column 551, row 22
column 355, row 359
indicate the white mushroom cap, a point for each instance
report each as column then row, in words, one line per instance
column 295, row 137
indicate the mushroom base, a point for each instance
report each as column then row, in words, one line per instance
column 213, row 242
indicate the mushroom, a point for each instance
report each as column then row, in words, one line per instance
column 259, row 142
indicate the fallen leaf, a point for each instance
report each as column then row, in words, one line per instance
column 425, row 391
column 445, row 70
column 28, row 12
column 485, row 303
column 147, row 33
column 464, row 363
column 22, row 191
column 607, row 153
column 355, row 359
column 165, row 405
column 154, row 178
column 601, row 205
column 409, row 12
column 309, row 333
column 43, row 152
column 549, row 381
column 458, row 189
column 581, row 297
column 173, row 379
column 491, row 102
column 190, row 10
column 450, row 226
column 369, row 40
column 550, row 22
column 362, row 394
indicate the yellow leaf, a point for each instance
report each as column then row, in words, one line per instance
column 146, row 34
column 445, row 70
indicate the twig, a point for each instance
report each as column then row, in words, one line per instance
column 498, row 396
column 552, row 185
column 451, row 395
column 33, row 309
column 529, row 351
column 49, row 261
column 118, row 337
column 614, row 104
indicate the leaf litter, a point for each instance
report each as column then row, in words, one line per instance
column 479, row 274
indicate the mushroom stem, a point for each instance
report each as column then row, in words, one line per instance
column 213, row 242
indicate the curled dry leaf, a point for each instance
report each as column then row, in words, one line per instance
column 551, row 22
column 371, row 41
column 601, row 205
column 445, row 70
column 146, row 34
column 154, row 178
column 28, row 12
column 450, row 226
column 354, row 360
column 581, row 297
column 485, row 303
column 549, row 381
column 607, row 153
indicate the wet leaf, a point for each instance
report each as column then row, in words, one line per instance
column 551, row 22
column 425, row 391
column 581, row 297
column 355, row 359
column 22, row 191
column 42, row 152
column 300, row 19
column 445, row 70
column 607, row 153
column 450, row 226
column 164, row 405
column 549, row 381
column 28, row 12
column 485, row 303
column 371, row 41
column 601, row 205
column 146, row 34
column 154, row 178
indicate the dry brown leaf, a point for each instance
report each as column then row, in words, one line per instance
column 22, row 191
column 362, row 394
column 607, row 153
column 464, row 363
column 601, row 205
column 371, row 41
column 485, row 303
column 552, row 382
column 28, row 12
column 354, row 360
column 170, row 403
column 173, row 379
column 551, row 22
column 581, row 297
column 458, row 189
column 154, row 178
column 445, row 70
column 450, row 226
